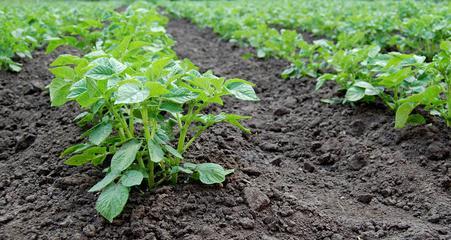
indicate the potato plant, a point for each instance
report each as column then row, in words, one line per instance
column 145, row 108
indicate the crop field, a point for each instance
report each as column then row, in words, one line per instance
column 214, row 119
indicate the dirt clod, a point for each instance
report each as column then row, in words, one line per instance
column 255, row 198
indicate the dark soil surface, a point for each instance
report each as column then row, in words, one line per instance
column 308, row 171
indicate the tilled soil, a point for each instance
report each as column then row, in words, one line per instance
column 308, row 171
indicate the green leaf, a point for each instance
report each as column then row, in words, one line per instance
column 75, row 149
column 155, row 152
column 370, row 90
column 65, row 59
column 105, row 68
column 172, row 151
column 156, row 89
column 77, row 89
column 63, row 72
column 416, row 119
column 395, row 79
column 402, row 114
column 241, row 90
column 100, row 132
column 59, row 89
column 53, row 43
column 109, row 178
column 132, row 178
column 80, row 159
column 112, row 200
column 355, row 94
column 211, row 173
column 180, row 95
column 234, row 120
column 16, row 67
column 122, row 47
column 171, row 107
column 131, row 93
column 125, row 156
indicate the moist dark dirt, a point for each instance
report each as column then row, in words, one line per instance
column 308, row 171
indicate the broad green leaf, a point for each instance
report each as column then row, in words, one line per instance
column 171, row 107
column 63, row 72
column 131, row 93
column 155, row 152
column 53, row 43
column 180, row 95
column 241, row 90
column 156, row 89
column 402, row 114
column 132, row 178
column 369, row 89
column 77, row 89
column 59, row 89
column 211, row 173
column 355, row 94
column 105, row 68
column 65, row 59
column 100, row 132
column 395, row 79
column 112, row 200
column 125, row 156
column 109, row 178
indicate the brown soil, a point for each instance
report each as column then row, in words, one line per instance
column 308, row 171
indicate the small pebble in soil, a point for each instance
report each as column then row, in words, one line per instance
column 365, row 198
column 356, row 162
column 281, row 112
column 255, row 198
column 437, row 151
column 89, row 230
column 269, row 147
column 251, row 171
column 247, row 223
column 309, row 167
column 276, row 161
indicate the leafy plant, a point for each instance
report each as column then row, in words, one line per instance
column 145, row 108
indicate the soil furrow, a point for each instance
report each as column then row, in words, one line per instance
column 348, row 167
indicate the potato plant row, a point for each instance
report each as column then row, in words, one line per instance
column 144, row 107
column 353, row 54
column 408, row 26
column 27, row 25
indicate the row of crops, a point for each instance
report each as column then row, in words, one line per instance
column 397, row 53
column 138, row 99
column 26, row 25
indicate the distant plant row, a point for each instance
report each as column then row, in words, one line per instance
column 394, row 52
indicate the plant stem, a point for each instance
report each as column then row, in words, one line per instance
column 131, row 121
column 140, row 160
column 448, row 120
column 150, row 164
column 395, row 97
column 123, row 123
column 184, row 130
column 196, row 135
